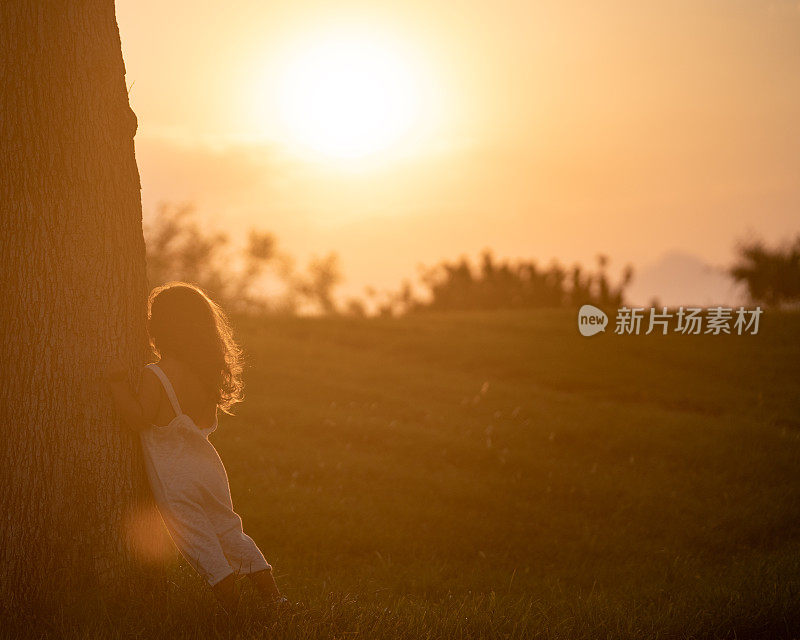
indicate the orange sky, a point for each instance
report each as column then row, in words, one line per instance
column 555, row 129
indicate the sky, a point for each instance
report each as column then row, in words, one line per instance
column 401, row 133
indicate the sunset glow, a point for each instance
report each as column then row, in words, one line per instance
column 349, row 96
column 541, row 129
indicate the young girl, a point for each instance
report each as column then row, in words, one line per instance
column 198, row 372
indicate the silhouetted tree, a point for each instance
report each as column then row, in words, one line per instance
column 604, row 293
column 513, row 284
column 180, row 248
column 772, row 276
column 74, row 292
column 355, row 307
column 317, row 286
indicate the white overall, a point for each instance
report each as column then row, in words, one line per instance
column 191, row 489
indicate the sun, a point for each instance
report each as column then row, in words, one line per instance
column 350, row 95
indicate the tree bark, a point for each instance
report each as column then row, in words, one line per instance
column 73, row 296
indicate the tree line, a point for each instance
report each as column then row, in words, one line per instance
column 258, row 277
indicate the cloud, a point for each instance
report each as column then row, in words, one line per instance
column 212, row 176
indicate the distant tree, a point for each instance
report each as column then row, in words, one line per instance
column 318, row 285
column 512, row 284
column 772, row 275
column 355, row 307
column 606, row 294
column 180, row 248
column 581, row 290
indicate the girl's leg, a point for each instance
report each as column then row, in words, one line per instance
column 194, row 535
column 225, row 591
column 265, row 583
column 245, row 557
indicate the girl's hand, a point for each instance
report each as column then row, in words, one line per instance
column 116, row 371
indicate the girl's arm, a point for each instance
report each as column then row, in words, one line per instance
column 138, row 412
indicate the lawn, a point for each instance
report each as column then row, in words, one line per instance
column 495, row 474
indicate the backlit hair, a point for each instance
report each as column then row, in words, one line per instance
column 183, row 322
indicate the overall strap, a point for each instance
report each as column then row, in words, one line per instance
column 167, row 387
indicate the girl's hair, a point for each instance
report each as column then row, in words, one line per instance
column 182, row 321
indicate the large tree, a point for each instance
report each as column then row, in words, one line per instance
column 74, row 290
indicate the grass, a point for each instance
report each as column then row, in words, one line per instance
column 495, row 474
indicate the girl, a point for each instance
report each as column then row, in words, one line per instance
column 191, row 336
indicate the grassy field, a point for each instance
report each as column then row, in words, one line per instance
column 496, row 474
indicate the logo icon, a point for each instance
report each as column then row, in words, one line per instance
column 591, row 320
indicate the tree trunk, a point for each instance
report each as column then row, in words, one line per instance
column 74, row 291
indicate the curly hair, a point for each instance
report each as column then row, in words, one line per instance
column 184, row 322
